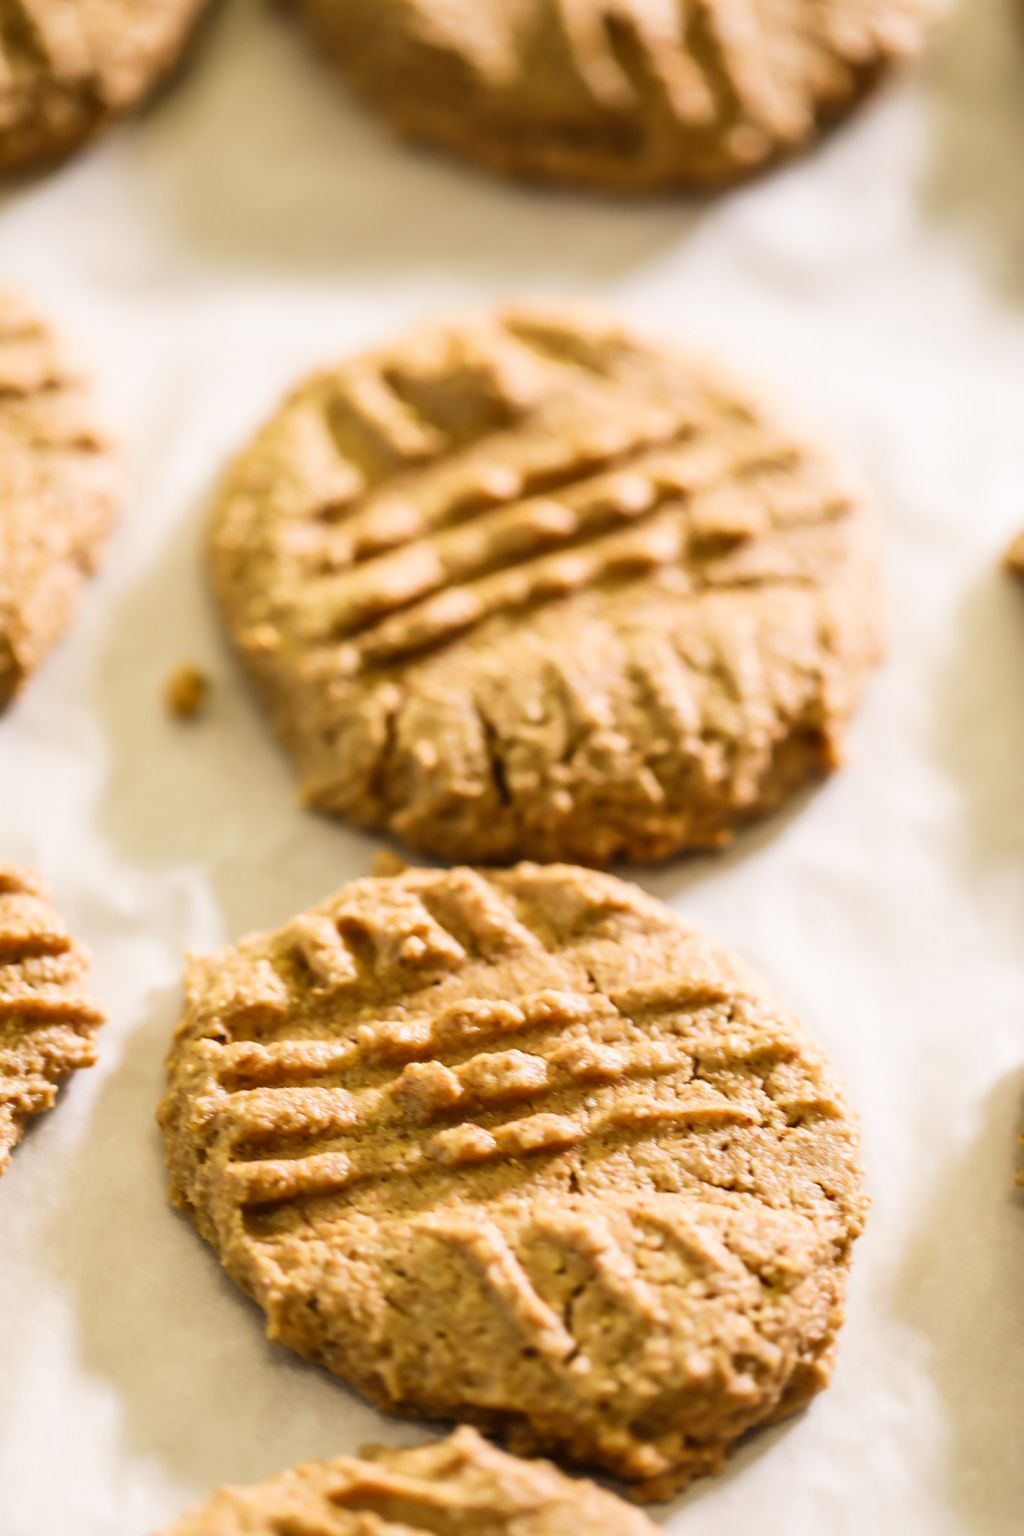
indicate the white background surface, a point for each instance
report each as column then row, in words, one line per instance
column 253, row 225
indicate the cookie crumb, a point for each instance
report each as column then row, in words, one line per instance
column 186, row 692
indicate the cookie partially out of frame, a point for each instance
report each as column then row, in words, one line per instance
column 526, row 585
column 69, row 67
column 624, row 94
column 460, row 1487
column 47, row 1020
column 60, row 489
column 1014, row 557
column 521, row 1149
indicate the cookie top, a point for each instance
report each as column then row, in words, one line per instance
column 59, row 489
column 67, row 67
column 46, row 1019
column 523, row 1150
column 625, row 94
column 459, row 1486
column 529, row 586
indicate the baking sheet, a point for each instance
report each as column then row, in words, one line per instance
column 253, row 226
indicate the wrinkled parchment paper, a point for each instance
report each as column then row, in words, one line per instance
column 254, row 225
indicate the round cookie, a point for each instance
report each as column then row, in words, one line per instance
column 632, row 95
column 521, row 1149
column 68, row 67
column 456, row 1487
column 46, row 1020
column 60, row 488
column 527, row 586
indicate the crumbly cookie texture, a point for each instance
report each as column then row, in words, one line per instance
column 59, row 489
column 47, row 1021
column 527, row 586
column 520, row 1149
column 462, row 1486
column 632, row 95
column 68, row 67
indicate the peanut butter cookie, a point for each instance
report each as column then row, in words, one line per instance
column 59, row 489
column 528, row 586
column 625, row 94
column 68, row 67
column 46, row 1020
column 459, row 1487
column 1014, row 557
column 523, row 1150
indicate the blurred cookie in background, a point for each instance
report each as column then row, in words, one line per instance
column 69, row 67
column 1014, row 557
column 631, row 95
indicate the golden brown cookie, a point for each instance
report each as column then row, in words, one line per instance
column 59, row 489
column 528, row 586
column 460, row 1487
column 626, row 94
column 523, row 1150
column 68, row 67
column 46, row 1020
column 1014, row 557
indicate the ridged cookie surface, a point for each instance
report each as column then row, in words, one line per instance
column 59, row 489
column 523, row 1150
column 46, row 1019
column 528, row 586
column 67, row 67
column 460, row 1487
column 628, row 94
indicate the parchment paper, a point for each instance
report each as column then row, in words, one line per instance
column 254, row 225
